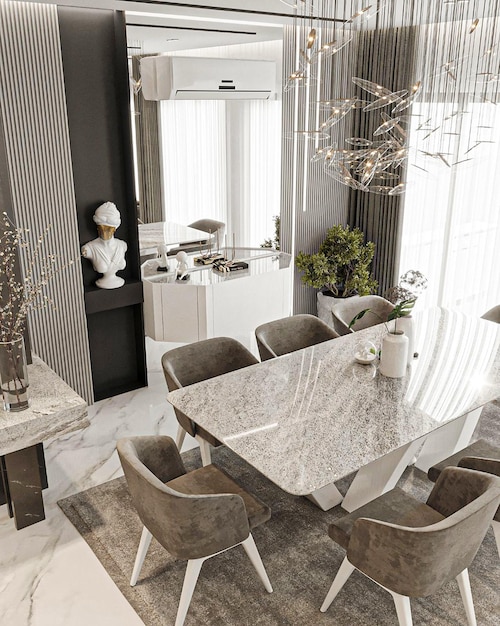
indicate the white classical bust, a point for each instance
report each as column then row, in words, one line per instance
column 106, row 253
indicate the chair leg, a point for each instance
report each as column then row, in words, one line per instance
column 179, row 440
column 345, row 570
column 190, row 579
column 496, row 529
column 141, row 554
column 205, row 451
column 254, row 556
column 466, row 593
column 403, row 609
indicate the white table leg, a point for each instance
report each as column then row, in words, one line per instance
column 379, row 476
column 326, row 498
column 445, row 441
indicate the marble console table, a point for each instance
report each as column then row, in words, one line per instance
column 55, row 409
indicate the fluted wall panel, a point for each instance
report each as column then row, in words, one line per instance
column 312, row 201
column 33, row 105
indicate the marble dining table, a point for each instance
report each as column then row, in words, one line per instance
column 311, row 417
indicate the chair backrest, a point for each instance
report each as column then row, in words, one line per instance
column 189, row 527
column 416, row 562
column 491, row 466
column 215, row 228
column 345, row 311
column 493, row 315
column 202, row 360
column 291, row 333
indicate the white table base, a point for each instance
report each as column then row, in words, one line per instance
column 326, row 498
column 447, row 440
column 379, row 476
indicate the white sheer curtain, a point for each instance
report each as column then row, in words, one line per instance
column 451, row 227
column 194, row 168
column 222, row 160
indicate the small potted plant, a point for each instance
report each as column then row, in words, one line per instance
column 397, row 346
column 340, row 268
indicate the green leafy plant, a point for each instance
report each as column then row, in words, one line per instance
column 275, row 242
column 403, row 296
column 342, row 264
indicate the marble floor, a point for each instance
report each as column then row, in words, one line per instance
column 48, row 574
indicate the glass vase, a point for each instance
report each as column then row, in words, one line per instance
column 14, row 374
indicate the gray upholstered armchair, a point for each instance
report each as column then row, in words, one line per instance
column 199, row 361
column 482, row 456
column 291, row 333
column 345, row 310
column 411, row 549
column 193, row 515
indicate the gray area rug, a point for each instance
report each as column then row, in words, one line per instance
column 300, row 558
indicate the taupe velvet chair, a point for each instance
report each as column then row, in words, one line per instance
column 215, row 234
column 344, row 311
column 412, row 549
column 291, row 333
column 493, row 315
column 194, row 515
column 482, row 456
column 199, row 361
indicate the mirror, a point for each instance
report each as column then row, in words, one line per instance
column 217, row 159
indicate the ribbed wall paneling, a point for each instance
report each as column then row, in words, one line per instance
column 305, row 217
column 32, row 99
column 147, row 135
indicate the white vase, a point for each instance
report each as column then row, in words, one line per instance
column 406, row 324
column 394, row 355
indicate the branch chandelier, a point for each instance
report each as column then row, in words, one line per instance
column 455, row 64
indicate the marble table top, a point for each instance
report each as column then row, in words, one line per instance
column 55, row 409
column 308, row 418
column 169, row 233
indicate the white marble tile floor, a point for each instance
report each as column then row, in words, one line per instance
column 48, row 574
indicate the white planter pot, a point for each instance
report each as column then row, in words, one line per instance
column 394, row 355
column 406, row 324
column 325, row 306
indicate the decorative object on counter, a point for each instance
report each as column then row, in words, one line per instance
column 365, row 352
column 225, row 266
column 162, row 258
column 341, row 267
column 17, row 298
column 209, row 257
column 398, row 346
column 182, row 274
column 106, row 253
column 14, row 374
column 275, row 241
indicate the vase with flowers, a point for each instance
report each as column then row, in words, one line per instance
column 398, row 344
column 17, row 297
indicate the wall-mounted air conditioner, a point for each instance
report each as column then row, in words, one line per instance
column 199, row 78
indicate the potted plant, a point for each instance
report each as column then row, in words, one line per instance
column 340, row 269
column 397, row 346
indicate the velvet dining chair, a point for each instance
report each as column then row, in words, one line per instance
column 194, row 515
column 199, row 361
column 412, row 549
column 344, row 311
column 290, row 334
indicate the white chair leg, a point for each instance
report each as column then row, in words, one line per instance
column 205, row 451
column 254, row 556
column 179, row 440
column 345, row 570
column 466, row 593
column 403, row 609
column 141, row 554
column 190, row 579
column 496, row 529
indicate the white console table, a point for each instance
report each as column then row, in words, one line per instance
column 211, row 304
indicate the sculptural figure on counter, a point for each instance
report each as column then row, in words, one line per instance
column 106, row 253
column 182, row 266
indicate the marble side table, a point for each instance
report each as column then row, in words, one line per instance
column 55, row 409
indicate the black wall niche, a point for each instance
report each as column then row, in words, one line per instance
column 94, row 52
